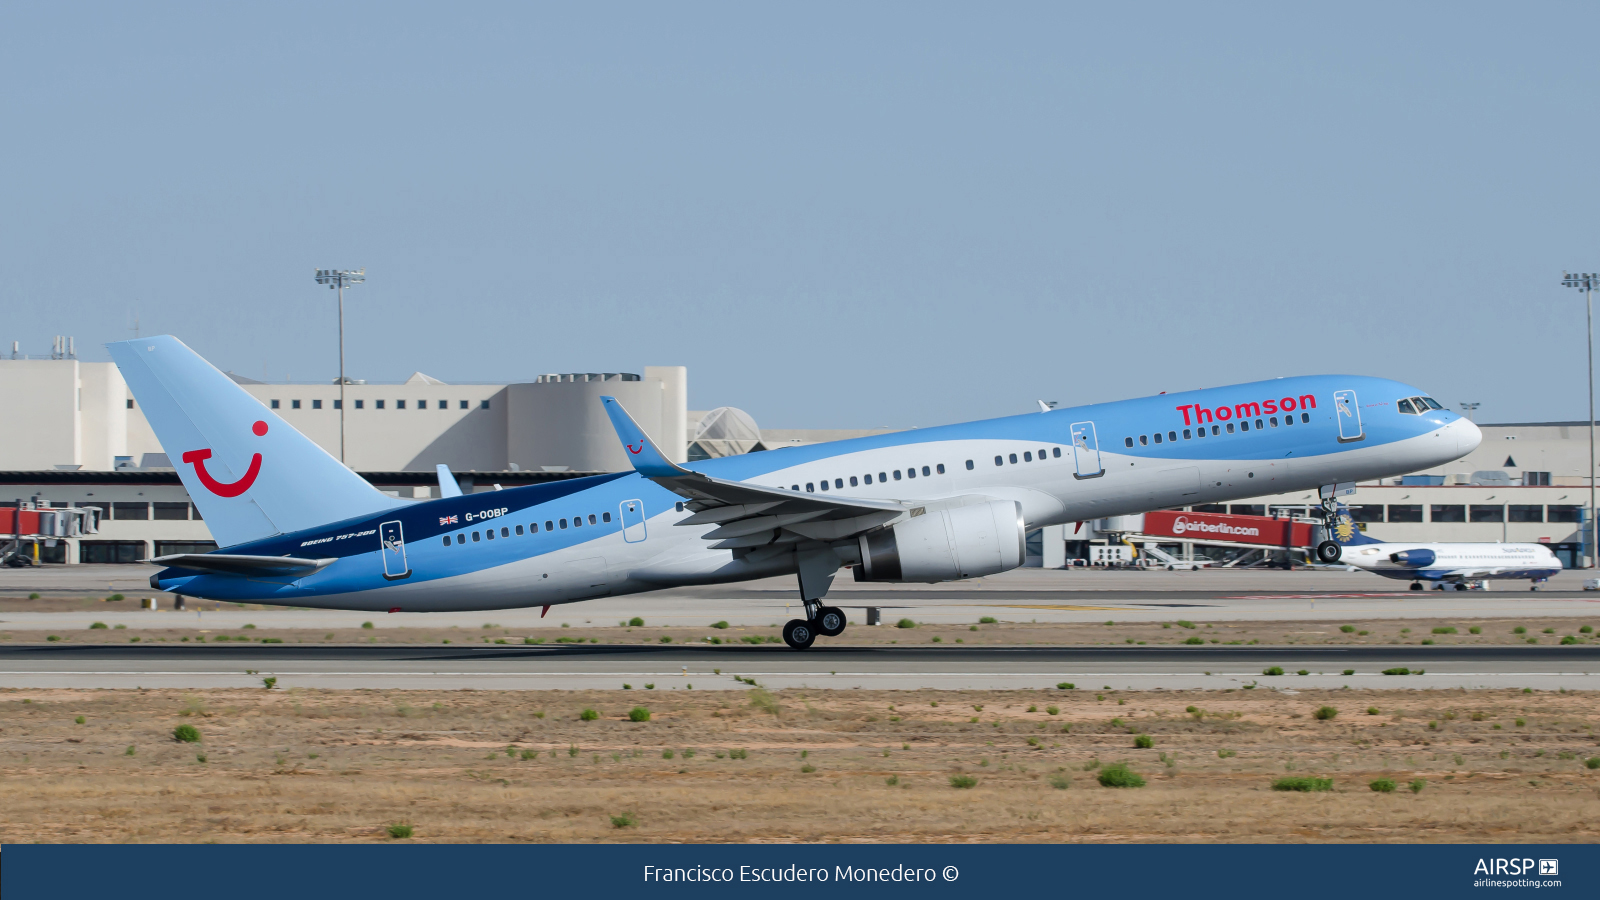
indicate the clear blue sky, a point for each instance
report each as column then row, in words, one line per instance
column 836, row 215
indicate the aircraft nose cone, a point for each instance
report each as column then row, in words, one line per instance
column 1468, row 436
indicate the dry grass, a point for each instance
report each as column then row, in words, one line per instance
column 1277, row 633
column 343, row 765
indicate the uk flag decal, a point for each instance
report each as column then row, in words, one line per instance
column 448, row 520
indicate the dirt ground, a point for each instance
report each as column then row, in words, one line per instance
column 801, row 765
column 1546, row 631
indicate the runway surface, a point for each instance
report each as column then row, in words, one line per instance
column 1022, row 595
column 717, row 668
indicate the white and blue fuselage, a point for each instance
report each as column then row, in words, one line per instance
column 620, row 534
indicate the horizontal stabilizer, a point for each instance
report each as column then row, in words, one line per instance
column 245, row 566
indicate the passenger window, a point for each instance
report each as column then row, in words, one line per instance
column 868, row 478
column 852, row 481
column 824, row 484
column 1230, row 428
column 461, row 539
column 939, row 468
column 794, row 487
column 1000, row 461
column 839, row 482
column 563, row 524
column 447, row 540
column 474, row 537
column 1056, row 452
column 550, row 526
column 605, row 517
column 577, row 521
column 1244, row 425
column 1144, row 440
column 911, row 472
column 533, row 527
column 591, row 520
column 882, row 477
column 969, row 465
column 1406, row 407
column 1274, row 421
column 1027, row 456
column 1158, row 437
column 519, row 531
column 1217, row 429
column 1259, row 426
column 1187, row 434
column 1127, row 442
column 925, row 471
column 1305, row 418
column 896, row 474
column 1013, row 458
column 811, row 487
column 1172, row 435
column 1288, row 420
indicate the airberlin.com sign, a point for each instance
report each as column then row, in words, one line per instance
column 1233, row 529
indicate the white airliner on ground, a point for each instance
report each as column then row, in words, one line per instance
column 1445, row 565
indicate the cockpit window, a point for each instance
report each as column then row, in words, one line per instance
column 1406, row 407
column 1432, row 403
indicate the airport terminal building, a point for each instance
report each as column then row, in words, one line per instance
column 75, row 438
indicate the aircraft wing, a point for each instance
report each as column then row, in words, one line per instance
column 749, row 515
column 240, row 565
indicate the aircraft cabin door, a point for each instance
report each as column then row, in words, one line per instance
column 1086, row 451
column 393, row 541
column 633, row 528
column 1348, row 412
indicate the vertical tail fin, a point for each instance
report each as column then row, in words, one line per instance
column 251, row 474
column 1345, row 531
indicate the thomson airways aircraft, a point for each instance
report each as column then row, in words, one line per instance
column 298, row 528
column 1446, row 565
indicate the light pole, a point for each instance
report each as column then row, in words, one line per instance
column 1470, row 408
column 1586, row 282
column 340, row 279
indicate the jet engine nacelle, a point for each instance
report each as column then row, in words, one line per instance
column 946, row 544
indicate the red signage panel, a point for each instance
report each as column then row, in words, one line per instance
column 1263, row 530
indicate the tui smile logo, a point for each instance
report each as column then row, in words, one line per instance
column 199, row 457
column 636, row 450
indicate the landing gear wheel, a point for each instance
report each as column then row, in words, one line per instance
column 1416, row 585
column 830, row 621
column 799, row 634
column 1329, row 552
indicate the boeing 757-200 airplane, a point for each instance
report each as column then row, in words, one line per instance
column 298, row 528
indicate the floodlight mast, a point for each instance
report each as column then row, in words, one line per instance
column 340, row 279
column 1586, row 282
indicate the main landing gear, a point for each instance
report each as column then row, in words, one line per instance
column 1416, row 585
column 828, row 621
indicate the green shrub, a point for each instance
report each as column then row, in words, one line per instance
column 1592, row 762
column 988, row 620
column 666, row 754
column 1568, row 639
column 1227, row 754
column 1303, row 784
column 80, row 720
column 1549, row 631
column 638, row 714
column 97, row 626
column 1519, row 630
column 588, row 715
column 1066, row 686
column 626, row 820
column 1060, row 782
column 1272, row 670
column 530, row 754
column 1587, row 629
column 1347, row 629
column 1324, row 713
column 1382, row 786
column 269, row 682
column 1399, row 671
column 1143, row 742
column 1118, row 775
column 115, row 598
column 1349, row 671
column 1303, row 672
column 34, row 596
column 963, row 781
column 739, row 754
column 1475, row 630
column 186, row 733
column 636, row 622
column 1417, row 784
column 368, row 625
column 905, row 623
column 1053, row 710
column 808, row 768
column 1185, row 623
column 131, row 751
column 719, row 624
column 1444, row 629
column 1372, row 710
column 399, row 831
column 1195, row 640
column 53, row 637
